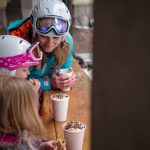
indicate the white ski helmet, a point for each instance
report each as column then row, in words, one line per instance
column 16, row 52
column 51, row 18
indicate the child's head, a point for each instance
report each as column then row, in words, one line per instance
column 16, row 55
column 18, row 106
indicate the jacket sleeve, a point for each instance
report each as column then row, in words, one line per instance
column 44, row 80
column 45, row 83
column 21, row 28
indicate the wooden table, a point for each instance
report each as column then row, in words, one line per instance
column 79, row 107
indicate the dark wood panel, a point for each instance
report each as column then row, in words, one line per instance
column 121, row 81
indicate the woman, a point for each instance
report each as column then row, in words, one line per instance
column 49, row 24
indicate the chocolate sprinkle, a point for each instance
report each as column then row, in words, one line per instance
column 59, row 96
column 74, row 125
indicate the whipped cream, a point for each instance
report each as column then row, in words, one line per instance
column 59, row 96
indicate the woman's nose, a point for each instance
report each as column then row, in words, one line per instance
column 50, row 40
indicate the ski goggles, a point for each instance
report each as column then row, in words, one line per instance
column 30, row 58
column 45, row 24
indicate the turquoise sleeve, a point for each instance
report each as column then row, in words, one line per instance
column 14, row 25
column 44, row 80
column 45, row 83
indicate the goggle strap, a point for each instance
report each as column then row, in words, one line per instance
column 38, row 50
column 33, row 46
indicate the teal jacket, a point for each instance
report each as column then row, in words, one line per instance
column 23, row 28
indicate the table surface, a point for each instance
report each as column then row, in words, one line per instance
column 79, row 107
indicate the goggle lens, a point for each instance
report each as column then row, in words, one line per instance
column 45, row 25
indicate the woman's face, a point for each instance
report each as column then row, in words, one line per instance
column 48, row 44
column 22, row 72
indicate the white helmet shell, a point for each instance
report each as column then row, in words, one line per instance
column 45, row 8
column 12, row 45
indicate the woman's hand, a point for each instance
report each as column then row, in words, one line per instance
column 62, row 82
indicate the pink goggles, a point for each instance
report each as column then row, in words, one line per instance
column 30, row 58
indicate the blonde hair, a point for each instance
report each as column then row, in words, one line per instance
column 18, row 106
column 61, row 53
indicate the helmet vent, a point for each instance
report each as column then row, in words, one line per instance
column 36, row 8
column 21, row 41
column 47, row 11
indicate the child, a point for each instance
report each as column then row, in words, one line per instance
column 19, row 119
column 16, row 55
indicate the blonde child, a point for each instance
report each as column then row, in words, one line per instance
column 19, row 119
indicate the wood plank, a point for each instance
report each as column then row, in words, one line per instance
column 47, row 117
column 79, row 105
